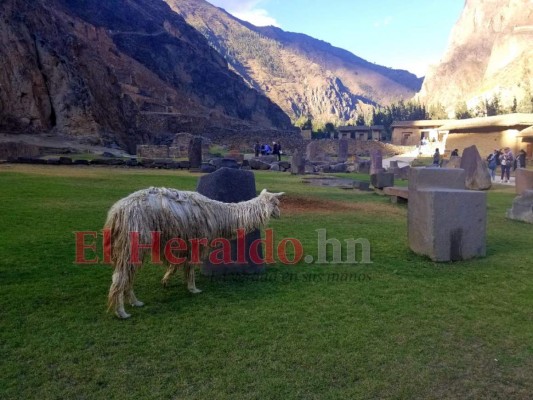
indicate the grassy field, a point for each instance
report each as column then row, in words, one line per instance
column 401, row 327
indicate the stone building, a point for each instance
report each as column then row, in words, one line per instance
column 361, row 132
column 487, row 133
column 411, row 133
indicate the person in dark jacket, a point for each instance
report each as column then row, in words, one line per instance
column 436, row 158
column 276, row 150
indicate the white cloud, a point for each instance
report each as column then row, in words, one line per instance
column 247, row 10
column 383, row 22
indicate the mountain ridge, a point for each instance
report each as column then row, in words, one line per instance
column 303, row 75
column 488, row 56
column 118, row 72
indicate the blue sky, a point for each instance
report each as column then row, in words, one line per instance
column 395, row 33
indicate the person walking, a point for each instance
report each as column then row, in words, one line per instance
column 436, row 158
column 506, row 161
column 276, row 150
column 493, row 163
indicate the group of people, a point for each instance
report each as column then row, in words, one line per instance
column 505, row 159
column 265, row 149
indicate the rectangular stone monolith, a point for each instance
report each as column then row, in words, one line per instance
column 523, row 180
column 297, row 163
column 195, row 152
column 376, row 162
column 446, row 222
column 382, row 180
column 232, row 186
column 342, row 154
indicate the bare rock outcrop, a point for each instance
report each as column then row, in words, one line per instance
column 118, row 72
column 489, row 53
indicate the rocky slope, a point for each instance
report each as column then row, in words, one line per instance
column 489, row 53
column 304, row 76
column 118, row 71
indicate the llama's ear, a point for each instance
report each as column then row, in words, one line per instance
column 263, row 192
column 279, row 194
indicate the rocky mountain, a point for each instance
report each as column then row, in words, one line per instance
column 490, row 53
column 303, row 75
column 118, row 71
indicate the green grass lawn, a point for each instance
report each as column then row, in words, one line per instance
column 401, row 327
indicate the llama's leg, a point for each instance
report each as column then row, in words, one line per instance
column 171, row 270
column 188, row 271
column 116, row 292
column 134, row 301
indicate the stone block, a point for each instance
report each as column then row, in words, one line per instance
column 399, row 194
column 376, row 162
column 284, row 165
column 229, row 163
column 340, row 167
column 381, row 180
column 232, row 186
column 476, row 170
column 207, row 168
column 363, row 166
column 422, row 178
column 447, row 224
column 523, row 180
column 258, row 164
column 365, row 186
column 522, row 209
column 297, row 163
column 342, row 154
column 195, row 152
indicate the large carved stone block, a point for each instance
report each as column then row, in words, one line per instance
column 523, row 180
column 522, row 209
column 446, row 222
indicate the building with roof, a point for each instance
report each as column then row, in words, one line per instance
column 361, row 132
column 487, row 133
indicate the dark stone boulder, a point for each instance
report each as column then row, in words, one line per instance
column 259, row 165
column 185, row 165
column 207, row 168
column 382, row 180
column 65, row 160
column 195, row 152
column 284, row 165
column 229, row 163
column 231, row 185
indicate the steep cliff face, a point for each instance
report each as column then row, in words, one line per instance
column 489, row 53
column 99, row 69
column 301, row 74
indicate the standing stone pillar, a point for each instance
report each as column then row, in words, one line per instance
column 195, row 152
column 232, row 186
column 376, row 162
column 297, row 163
column 311, row 151
column 342, row 154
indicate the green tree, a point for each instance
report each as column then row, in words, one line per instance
column 493, row 106
column 437, row 111
column 360, row 121
column 329, row 128
column 462, row 111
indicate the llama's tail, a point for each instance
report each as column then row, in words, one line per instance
column 119, row 248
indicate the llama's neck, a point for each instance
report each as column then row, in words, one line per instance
column 248, row 215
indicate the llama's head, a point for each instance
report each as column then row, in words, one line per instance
column 271, row 201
